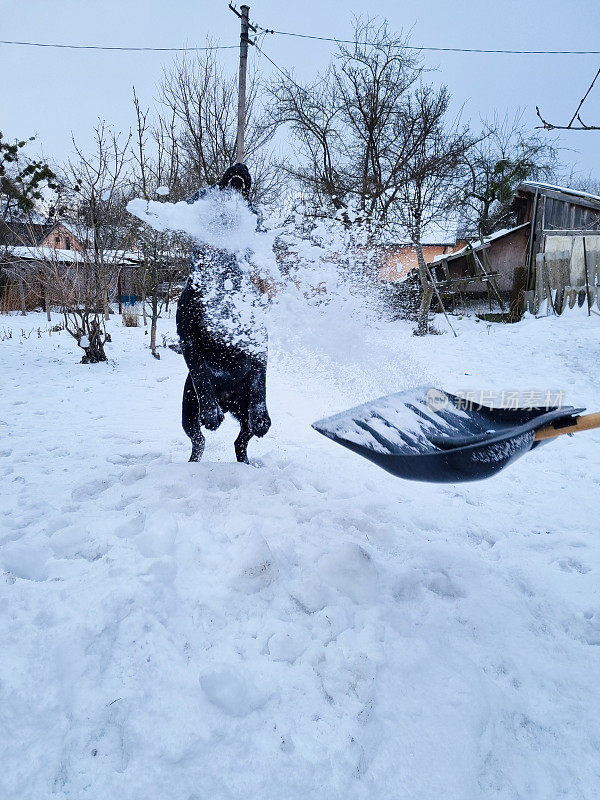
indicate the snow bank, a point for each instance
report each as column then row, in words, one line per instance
column 307, row 627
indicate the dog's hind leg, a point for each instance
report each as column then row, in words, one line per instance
column 190, row 419
column 210, row 413
column 258, row 416
column 241, row 443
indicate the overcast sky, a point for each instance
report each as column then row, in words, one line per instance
column 52, row 92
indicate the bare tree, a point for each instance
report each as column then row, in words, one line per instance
column 429, row 177
column 581, row 126
column 589, row 183
column 198, row 113
column 98, row 187
column 503, row 156
column 313, row 114
column 374, row 78
column 164, row 255
column 351, row 123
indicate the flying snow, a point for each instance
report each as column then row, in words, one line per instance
column 220, row 218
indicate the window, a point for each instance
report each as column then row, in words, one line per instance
column 57, row 241
column 67, row 243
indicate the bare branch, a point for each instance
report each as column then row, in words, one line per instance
column 550, row 126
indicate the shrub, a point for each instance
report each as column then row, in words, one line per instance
column 131, row 318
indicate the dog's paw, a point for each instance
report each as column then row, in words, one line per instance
column 260, row 422
column 212, row 417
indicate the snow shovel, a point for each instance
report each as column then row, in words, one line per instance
column 426, row 434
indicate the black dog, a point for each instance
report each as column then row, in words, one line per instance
column 227, row 372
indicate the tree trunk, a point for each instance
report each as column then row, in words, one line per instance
column 427, row 293
column 517, row 295
column 153, row 323
column 94, row 352
column 94, row 355
column 22, row 297
column 45, row 303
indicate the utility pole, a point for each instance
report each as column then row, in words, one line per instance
column 243, row 14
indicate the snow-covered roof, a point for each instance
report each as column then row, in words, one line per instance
column 76, row 231
column 533, row 185
column 67, row 256
column 480, row 243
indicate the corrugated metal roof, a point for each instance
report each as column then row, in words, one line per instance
column 533, row 185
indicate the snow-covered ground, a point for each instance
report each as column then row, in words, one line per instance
column 308, row 627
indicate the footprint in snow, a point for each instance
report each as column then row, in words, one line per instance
column 254, row 566
column 133, row 474
column 132, row 527
column 441, row 584
column 570, row 565
column 288, row 646
column 232, row 692
column 26, row 560
column 130, row 459
column 92, row 489
column 350, row 570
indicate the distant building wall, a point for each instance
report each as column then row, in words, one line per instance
column 507, row 253
column 61, row 238
column 398, row 260
column 502, row 256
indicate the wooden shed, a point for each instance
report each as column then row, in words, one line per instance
column 565, row 227
column 554, row 249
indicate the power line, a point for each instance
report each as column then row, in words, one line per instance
column 440, row 49
column 136, row 49
column 284, row 72
column 302, row 36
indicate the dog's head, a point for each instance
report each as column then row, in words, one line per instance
column 237, row 177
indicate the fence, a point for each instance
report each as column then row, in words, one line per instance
column 560, row 284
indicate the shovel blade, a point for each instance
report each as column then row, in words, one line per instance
column 426, row 434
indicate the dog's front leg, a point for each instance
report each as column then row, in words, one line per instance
column 258, row 416
column 210, row 413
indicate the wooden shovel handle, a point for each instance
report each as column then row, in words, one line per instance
column 585, row 423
